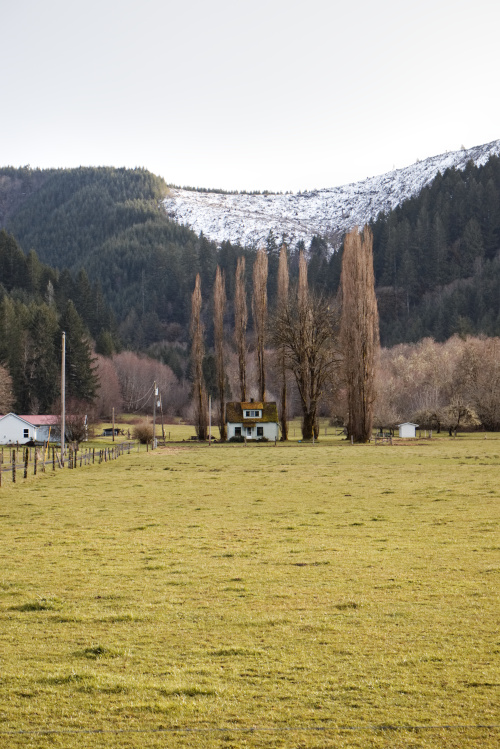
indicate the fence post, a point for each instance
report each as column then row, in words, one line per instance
column 13, row 466
column 35, row 461
column 26, row 461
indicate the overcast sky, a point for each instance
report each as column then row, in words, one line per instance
column 276, row 94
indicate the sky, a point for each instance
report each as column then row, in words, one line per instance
column 263, row 95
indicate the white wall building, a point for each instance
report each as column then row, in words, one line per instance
column 16, row 429
column 407, row 430
column 252, row 419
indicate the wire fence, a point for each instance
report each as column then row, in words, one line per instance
column 19, row 462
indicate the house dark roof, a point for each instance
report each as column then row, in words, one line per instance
column 234, row 412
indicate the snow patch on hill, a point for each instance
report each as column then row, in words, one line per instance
column 248, row 219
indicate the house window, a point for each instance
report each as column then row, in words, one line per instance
column 252, row 414
column 26, row 434
column 260, row 431
column 237, row 431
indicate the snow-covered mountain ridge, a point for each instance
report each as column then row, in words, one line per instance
column 247, row 219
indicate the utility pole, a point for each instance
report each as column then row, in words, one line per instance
column 209, row 420
column 63, row 395
column 162, row 426
column 155, row 394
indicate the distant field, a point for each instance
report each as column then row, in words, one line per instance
column 230, row 596
column 179, row 431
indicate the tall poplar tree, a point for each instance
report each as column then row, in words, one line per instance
column 259, row 310
column 240, row 324
column 359, row 331
column 219, row 309
column 283, row 284
column 197, row 352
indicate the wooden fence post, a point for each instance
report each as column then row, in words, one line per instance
column 35, row 461
column 13, row 466
column 26, row 461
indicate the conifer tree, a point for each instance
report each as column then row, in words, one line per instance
column 81, row 377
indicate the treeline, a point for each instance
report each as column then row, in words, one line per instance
column 451, row 385
column 37, row 303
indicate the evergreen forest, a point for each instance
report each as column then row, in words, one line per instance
column 93, row 247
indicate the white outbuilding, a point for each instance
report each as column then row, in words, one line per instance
column 15, row 429
column 407, row 430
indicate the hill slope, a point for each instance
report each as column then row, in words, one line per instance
column 247, row 219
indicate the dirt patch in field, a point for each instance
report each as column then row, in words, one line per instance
column 167, row 450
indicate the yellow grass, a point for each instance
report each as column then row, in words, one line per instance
column 289, row 596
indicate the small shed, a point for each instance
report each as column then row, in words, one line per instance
column 253, row 420
column 108, row 431
column 407, row 430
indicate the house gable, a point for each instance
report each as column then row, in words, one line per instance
column 15, row 429
column 252, row 420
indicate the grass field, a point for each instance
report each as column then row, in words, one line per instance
column 260, row 596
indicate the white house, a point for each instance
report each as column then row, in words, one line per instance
column 252, row 419
column 21, row 429
column 407, row 430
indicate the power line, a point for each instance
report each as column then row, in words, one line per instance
column 139, row 400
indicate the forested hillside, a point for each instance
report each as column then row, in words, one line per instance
column 436, row 257
column 36, row 304
column 437, row 260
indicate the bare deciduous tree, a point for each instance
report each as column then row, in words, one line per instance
column 486, row 391
column 109, row 395
column 240, row 324
column 197, row 352
column 219, row 309
column 136, row 375
column 307, row 332
column 359, row 331
column 259, row 310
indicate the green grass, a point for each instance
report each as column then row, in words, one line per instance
column 260, row 596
